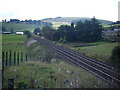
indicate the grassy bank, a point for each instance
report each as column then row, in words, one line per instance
column 47, row 70
column 97, row 50
column 54, row 75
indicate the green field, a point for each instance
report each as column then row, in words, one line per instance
column 110, row 25
column 20, row 26
column 97, row 50
column 103, row 49
column 13, row 39
column 13, row 42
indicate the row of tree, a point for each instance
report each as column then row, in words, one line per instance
column 39, row 22
column 87, row 31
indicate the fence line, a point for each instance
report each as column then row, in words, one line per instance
column 13, row 58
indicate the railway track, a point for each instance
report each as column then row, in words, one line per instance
column 104, row 71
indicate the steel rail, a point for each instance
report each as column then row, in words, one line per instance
column 84, row 63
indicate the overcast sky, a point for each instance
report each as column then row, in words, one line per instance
column 39, row 9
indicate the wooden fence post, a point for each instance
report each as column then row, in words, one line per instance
column 3, row 59
column 26, row 56
column 6, row 58
column 10, row 57
column 21, row 57
column 30, row 56
column 11, row 84
column 14, row 58
column 34, row 58
column 18, row 58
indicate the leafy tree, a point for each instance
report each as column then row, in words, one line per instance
column 12, row 30
column 36, row 31
column 66, row 32
column 115, row 57
column 47, row 32
column 28, row 34
column 56, row 35
column 96, row 29
column 4, row 29
column 72, row 26
column 88, row 31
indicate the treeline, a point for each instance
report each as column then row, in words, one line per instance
column 39, row 22
column 117, row 22
column 88, row 31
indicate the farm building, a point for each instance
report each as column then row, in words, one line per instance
column 19, row 33
column 116, row 29
column 6, row 33
column 111, row 35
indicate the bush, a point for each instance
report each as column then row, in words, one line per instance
column 27, row 33
column 115, row 57
column 22, row 85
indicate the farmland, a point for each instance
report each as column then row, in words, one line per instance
column 13, row 39
column 97, row 50
column 13, row 42
column 20, row 26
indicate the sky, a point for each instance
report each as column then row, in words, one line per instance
column 40, row 9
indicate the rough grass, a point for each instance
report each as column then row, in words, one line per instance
column 41, row 74
column 98, row 50
column 104, row 49
column 52, row 73
column 41, row 53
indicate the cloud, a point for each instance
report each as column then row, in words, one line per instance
column 37, row 9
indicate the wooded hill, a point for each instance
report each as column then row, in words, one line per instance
column 73, row 19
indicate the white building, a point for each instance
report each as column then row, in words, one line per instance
column 19, row 33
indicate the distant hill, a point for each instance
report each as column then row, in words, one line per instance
column 72, row 19
column 19, row 26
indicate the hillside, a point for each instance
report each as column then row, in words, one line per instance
column 55, row 21
column 72, row 19
column 20, row 26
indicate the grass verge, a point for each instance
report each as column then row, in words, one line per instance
column 54, row 75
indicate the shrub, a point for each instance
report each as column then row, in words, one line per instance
column 115, row 57
column 22, row 85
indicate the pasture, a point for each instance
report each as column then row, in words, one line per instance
column 13, row 42
column 97, row 50
column 13, row 39
column 20, row 26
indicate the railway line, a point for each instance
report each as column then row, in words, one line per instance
column 104, row 71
